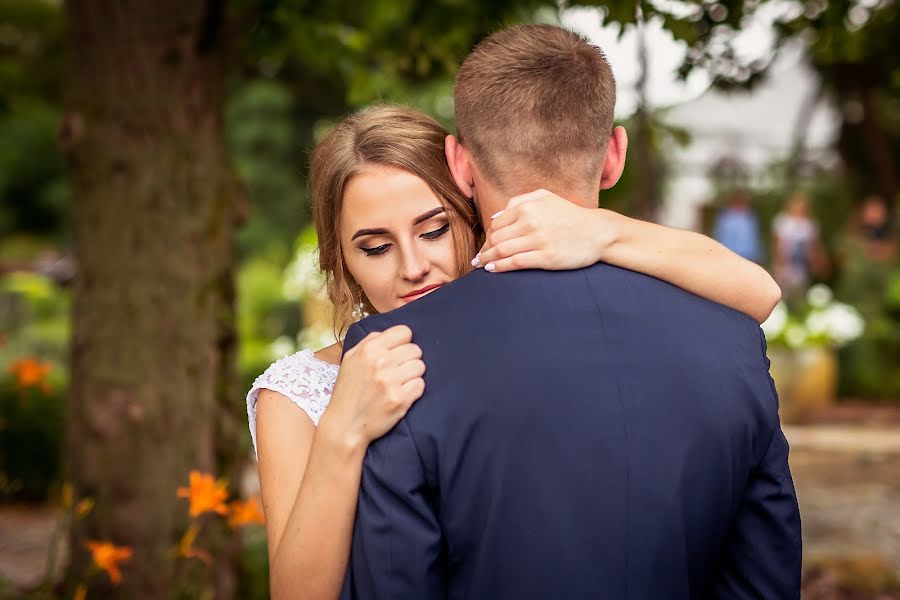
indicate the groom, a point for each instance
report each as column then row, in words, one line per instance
column 584, row 434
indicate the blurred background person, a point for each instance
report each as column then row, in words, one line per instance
column 876, row 229
column 866, row 256
column 797, row 248
column 737, row 227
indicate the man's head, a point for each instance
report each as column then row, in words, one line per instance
column 740, row 200
column 534, row 109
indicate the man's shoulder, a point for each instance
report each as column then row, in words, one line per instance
column 478, row 287
column 633, row 291
column 508, row 292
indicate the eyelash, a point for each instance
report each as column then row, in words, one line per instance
column 440, row 231
column 430, row 235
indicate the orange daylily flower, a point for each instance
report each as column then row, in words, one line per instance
column 245, row 513
column 205, row 494
column 84, row 507
column 31, row 373
column 107, row 556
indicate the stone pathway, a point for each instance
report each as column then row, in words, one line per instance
column 25, row 535
column 848, row 484
column 847, row 439
column 847, row 479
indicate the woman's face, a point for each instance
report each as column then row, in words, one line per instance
column 395, row 236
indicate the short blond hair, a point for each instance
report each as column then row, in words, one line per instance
column 390, row 136
column 535, row 103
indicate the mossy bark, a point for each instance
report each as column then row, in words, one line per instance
column 153, row 222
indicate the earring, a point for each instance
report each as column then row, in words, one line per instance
column 359, row 309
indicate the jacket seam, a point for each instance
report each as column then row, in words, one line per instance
column 625, row 432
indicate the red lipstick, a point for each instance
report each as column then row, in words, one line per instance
column 421, row 292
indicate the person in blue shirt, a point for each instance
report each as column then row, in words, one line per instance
column 738, row 229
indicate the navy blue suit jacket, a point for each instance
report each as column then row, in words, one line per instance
column 583, row 434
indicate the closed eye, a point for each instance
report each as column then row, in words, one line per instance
column 376, row 250
column 433, row 235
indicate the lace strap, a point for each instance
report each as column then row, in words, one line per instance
column 302, row 378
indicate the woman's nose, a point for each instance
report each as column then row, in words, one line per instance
column 415, row 265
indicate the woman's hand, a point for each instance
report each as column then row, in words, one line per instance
column 379, row 380
column 541, row 230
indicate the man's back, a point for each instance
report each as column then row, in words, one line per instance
column 592, row 433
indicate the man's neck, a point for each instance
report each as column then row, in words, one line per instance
column 491, row 201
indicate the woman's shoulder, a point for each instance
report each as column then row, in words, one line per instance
column 299, row 376
column 302, row 377
column 301, row 366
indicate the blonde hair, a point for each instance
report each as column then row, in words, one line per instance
column 535, row 102
column 390, row 136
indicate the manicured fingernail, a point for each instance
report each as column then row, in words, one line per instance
column 496, row 214
column 490, row 267
column 477, row 260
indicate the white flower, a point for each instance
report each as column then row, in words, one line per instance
column 817, row 323
column 774, row 325
column 795, row 335
column 828, row 323
column 844, row 323
column 819, row 295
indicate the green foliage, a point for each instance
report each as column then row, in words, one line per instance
column 869, row 367
column 847, row 31
column 33, row 193
column 263, row 316
column 266, row 149
column 253, row 566
column 31, row 51
column 34, row 316
column 379, row 48
column 30, row 439
column 892, row 293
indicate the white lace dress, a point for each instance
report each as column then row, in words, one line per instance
column 305, row 379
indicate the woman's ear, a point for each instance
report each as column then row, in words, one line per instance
column 459, row 161
column 614, row 164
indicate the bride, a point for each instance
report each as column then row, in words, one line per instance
column 393, row 227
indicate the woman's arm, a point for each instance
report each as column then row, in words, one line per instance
column 547, row 232
column 310, row 476
column 691, row 261
column 309, row 482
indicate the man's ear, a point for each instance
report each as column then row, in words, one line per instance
column 615, row 158
column 459, row 161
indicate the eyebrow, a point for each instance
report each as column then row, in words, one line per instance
column 381, row 231
column 425, row 216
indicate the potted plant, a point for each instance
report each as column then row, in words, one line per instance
column 802, row 343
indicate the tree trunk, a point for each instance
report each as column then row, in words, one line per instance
column 797, row 158
column 153, row 221
column 879, row 144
